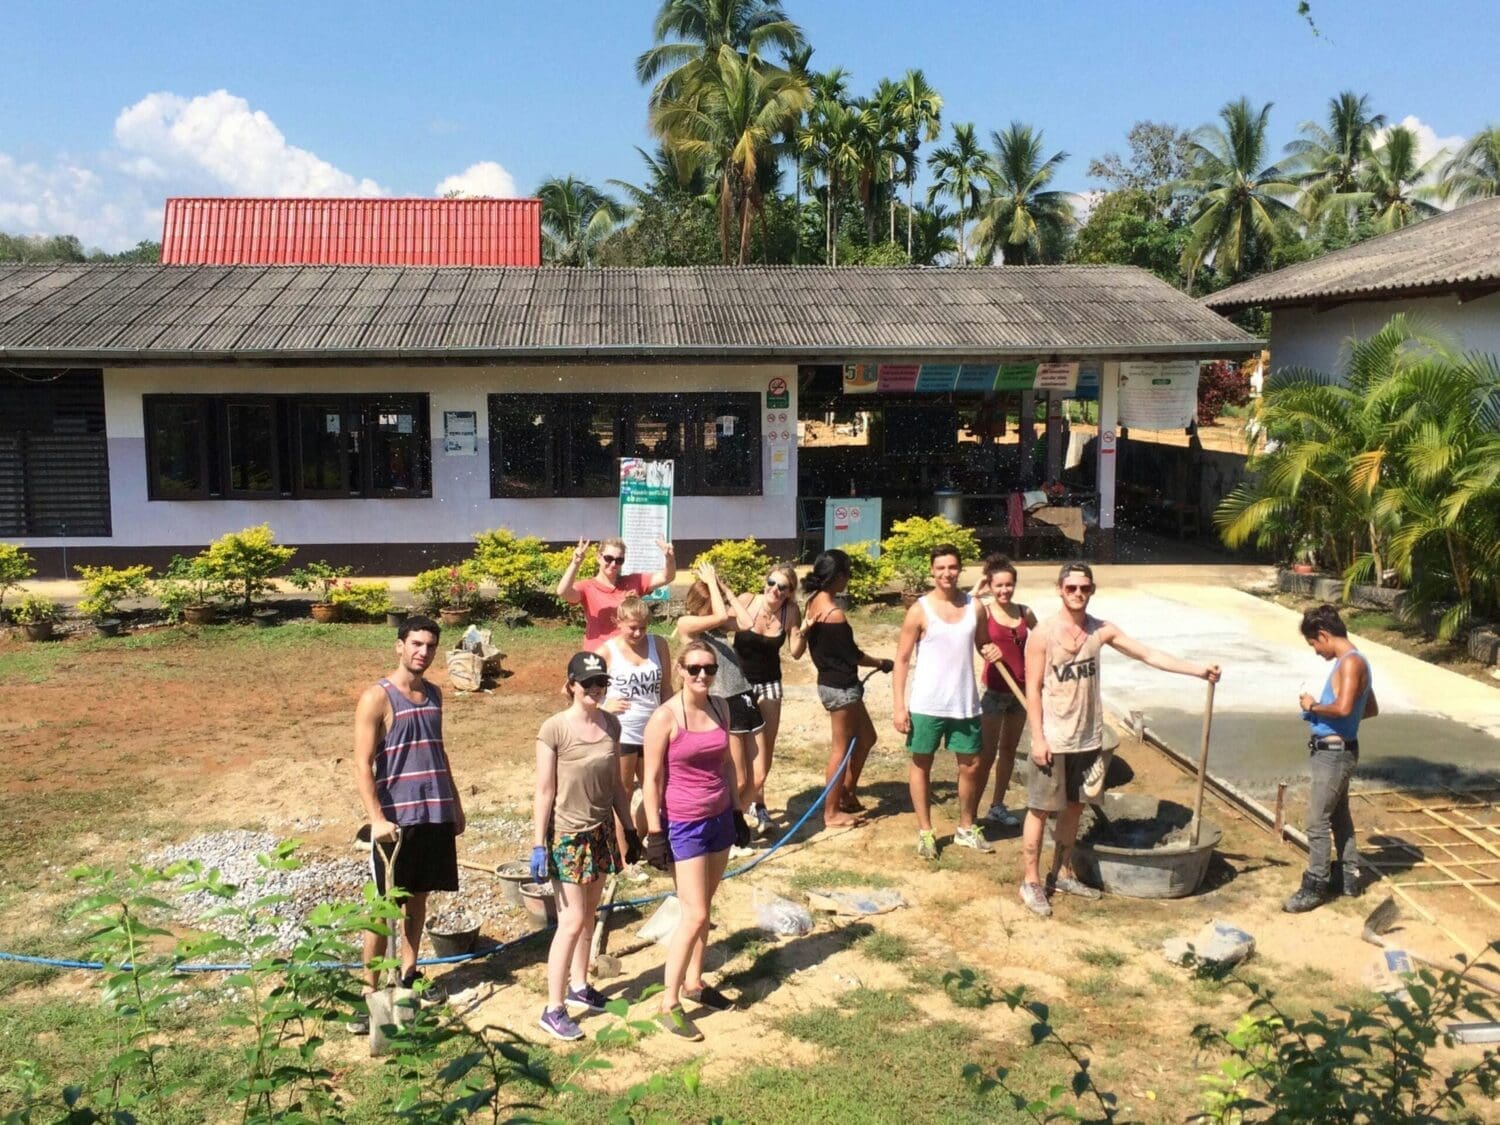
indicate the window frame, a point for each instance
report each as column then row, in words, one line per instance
column 221, row 410
column 205, row 403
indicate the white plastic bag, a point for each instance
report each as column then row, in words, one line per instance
column 780, row 916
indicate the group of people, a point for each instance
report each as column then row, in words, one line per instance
column 631, row 770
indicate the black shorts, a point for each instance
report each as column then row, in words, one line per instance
column 744, row 713
column 428, row 860
column 629, row 748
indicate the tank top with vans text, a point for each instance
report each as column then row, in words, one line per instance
column 1072, row 710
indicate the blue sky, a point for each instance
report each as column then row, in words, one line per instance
column 106, row 108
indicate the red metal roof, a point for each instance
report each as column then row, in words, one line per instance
column 374, row 232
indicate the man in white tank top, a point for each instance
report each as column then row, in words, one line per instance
column 1068, row 738
column 940, row 705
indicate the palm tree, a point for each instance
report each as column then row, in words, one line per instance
column 732, row 115
column 828, row 143
column 689, row 34
column 1019, row 220
column 919, row 111
column 1391, row 181
column 576, row 219
column 877, row 139
column 668, row 172
column 1238, row 210
column 958, row 171
column 796, row 63
column 1474, row 171
column 933, row 239
column 1327, row 161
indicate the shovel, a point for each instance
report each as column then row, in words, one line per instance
column 1381, row 921
column 601, row 962
column 393, row 1005
column 1208, row 722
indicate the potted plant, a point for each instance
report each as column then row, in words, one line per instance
column 35, row 614
column 243, row 561
column 320, row 578
column 450, row 591
column 362, row 599
column 906, row 554
column 15, row 567
column 395, row 615
column 1305, row 561
column 188, row 590
column 104, row 588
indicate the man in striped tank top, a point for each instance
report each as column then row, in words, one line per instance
column 406, row 788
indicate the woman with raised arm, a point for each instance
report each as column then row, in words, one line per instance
column 830, row 641
column 578, row 799
column 601, row 595
column 691, row 821
column 1000, row 637
column 711, row 609
column 775, row 621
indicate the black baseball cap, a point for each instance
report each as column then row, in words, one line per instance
column 586, row 665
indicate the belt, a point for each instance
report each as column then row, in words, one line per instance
column 1335, row 743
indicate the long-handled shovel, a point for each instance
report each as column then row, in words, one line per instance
column 1208, row 722
column 393, row 1005
column 1385, row 916
column 600, row 962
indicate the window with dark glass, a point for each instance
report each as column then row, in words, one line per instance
column 728, row 441
column 521, row 445
column 178, row 442
column 399, row 448
column 252, row 448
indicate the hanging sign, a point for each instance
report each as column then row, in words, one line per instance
column 937, row 377
column 1088, row 380
column 1016, row 377
column 976, row 377
column 645, row 512
column 1159, row 396
column 1056, row 376
column 899, row 377
column 860, row 378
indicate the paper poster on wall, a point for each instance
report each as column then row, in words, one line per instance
column 778, row 482
column 861, row 378
column 1056, row 376
column 460, row 433
column 331, row 423
column 898, row 377
column 1158, row 396
column 645, row 512
column 852, row 519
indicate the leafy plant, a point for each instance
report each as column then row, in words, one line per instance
column 553, row 564
column 741, row 563
column 448, row 587
column 1220, row 384
column 186, row 582
column 906, row 554
column 105, row 587
column 866, row 576
column 373, row 599
column 244, row 562
column 510, row 561
column 33, row 609
column 320, row 577
column 15, row 567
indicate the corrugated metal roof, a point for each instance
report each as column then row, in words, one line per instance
column 1456, row 250
column 386, row 232
column 98, row 313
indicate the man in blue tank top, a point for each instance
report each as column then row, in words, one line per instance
column 1334, row 717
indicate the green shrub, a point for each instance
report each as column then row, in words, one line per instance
column 372, row 599
column 741, row 563
column 554, row 563
column 513, row 563
column 866, row 576
column 186, row 582
column 906, row 554
column 15, row 567
column 445, row 587
column 320, row 577
column 33, row 609
column 105, row 587
column 244, row 562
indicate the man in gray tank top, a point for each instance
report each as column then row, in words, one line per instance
column 1069, row 743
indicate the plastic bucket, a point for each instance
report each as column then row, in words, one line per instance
column 540, row 903
column 512, row 876
column 451, row 945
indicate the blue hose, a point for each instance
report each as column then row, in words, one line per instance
column 457, row 958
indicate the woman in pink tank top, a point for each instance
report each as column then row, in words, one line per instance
column 691, row 821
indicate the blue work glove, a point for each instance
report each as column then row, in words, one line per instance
column 538, row 865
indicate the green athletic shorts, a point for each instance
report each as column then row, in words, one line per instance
column 930, row 732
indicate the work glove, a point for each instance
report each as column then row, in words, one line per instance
column 633, row 850
column 887, row 665
column 539, row 865
column 741, row 830
column 658, row 855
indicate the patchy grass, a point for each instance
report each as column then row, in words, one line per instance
column 1101, row 957
column 836, row 878
column 1098, row 986
column 887, row 947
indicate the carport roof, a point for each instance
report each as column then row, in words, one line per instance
column 110, row 314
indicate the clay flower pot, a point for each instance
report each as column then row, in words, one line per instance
column 108, row 626
column 456, row 616
column 325, row 613
column 37, row 630
column 394, row 617
column 199, row 614
column 1304, row 568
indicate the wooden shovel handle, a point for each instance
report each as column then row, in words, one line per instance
column 1208, row 722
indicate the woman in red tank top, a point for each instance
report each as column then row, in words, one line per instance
column 1001, row 640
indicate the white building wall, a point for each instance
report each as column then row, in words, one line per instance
column 1305, row 337
column 460, row 503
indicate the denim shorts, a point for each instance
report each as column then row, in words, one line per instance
column 688, row 839
column 837, row 698
column 994, row 702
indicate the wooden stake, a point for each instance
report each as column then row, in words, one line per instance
column 1208, row 722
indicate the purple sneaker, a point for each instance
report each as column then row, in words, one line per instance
column 557, row 1023
column 587, row 996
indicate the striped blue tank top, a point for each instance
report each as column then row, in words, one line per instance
column 412, row 781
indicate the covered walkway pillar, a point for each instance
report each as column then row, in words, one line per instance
column 1109, row 417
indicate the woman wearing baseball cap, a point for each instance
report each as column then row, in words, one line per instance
column 578, row 797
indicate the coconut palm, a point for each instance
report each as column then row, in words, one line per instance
column 1020, row 220
column 1391, row 182
column 576, row 219
column 689, row 34
column 877, row 138
column 828, row 143
column 796, row 63
column 1327, row 160
column 1474, row 171
column 958, row 174
column 732, row 115
column 919, row 110
column 932, row 230
column 1238, row 210
column 668, row 172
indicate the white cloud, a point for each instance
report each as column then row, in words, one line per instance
column 483, row 180
column 220, row 136
column 1429, row 144
column 67, row 197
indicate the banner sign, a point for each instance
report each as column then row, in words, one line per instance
column 1056, row 376
column 971, row 378
column 1087, row 388
column 899, row 377
column 1016, row 377
column 852, row 519
column 937, row 377
column 860, row 378
column 976, row 377
column 1159, row 396
column 645, row 512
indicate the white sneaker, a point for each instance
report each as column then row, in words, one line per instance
column 1001, row 817
column 972, row 837
column 737, row 852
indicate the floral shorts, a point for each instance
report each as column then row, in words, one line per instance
column 585, row 856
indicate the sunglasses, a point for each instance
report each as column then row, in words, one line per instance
column 610, row 560
column 696, row 670
column 771, row 584
column 593, row 683
column 1071, row 589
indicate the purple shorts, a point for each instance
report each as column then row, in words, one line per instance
column 689, row 839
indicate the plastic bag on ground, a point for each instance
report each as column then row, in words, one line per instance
column 780, row 916
column 663, row 921
column 1217, row 943
column 856, row 904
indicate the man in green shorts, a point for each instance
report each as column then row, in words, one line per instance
column 942, row 706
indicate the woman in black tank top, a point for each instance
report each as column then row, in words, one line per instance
column 776, row 621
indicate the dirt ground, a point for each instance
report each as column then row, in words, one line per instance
column 115, row 750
